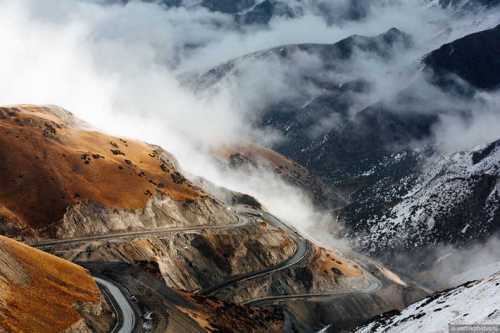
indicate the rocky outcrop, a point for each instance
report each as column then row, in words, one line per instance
column 322, row 271
column 42, row 293
column 198, row 259
column 161, row 211
column 329, row 288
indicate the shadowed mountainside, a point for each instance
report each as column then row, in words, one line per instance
column 473, row 58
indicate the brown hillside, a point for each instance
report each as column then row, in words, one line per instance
column 253, row 154
column 49, row 162
column 40, row 292
column 248, row 156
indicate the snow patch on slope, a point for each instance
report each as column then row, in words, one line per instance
column 446, row 189
column 476, row 302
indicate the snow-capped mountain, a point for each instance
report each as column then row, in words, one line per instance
column 445, row 198
column 455, row 200
column 399, row 197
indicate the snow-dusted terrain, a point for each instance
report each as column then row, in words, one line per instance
column 455, row 199
column 476, row 302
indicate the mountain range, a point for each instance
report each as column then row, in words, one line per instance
column 390, row 138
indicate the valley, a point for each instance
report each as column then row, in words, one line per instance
column 249, row 166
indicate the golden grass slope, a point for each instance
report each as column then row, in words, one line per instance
column 40, row 292
column 48, row 162
column 255, row 154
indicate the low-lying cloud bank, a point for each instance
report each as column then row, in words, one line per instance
column 119, row 68
column 456, row 266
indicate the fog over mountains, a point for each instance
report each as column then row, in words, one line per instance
column 268, row 165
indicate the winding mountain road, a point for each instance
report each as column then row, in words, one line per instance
column 125, row 314
column 373, row 286
column 302, row 251
column 153, row 232
column 303, row 248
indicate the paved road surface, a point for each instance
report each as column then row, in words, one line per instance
column 157, row 231
column 126, row 319
column 374, row 285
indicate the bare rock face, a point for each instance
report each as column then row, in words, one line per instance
column 198, row 259
column 322, row 271
column 61, row 179
column 161, row 211
column 42, row 293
